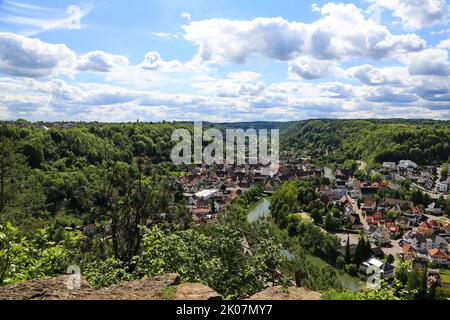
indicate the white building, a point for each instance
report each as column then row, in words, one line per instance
column 438, row 257
column 206, row 194
column 442, row 187
column 407, row 164
column 389, row 165
column 374, row 265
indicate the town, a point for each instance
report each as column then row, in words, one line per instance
column 399, row 230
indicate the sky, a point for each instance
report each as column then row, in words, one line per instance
column 223, row 60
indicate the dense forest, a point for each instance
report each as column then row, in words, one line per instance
column 422, row 141
column 56, row 179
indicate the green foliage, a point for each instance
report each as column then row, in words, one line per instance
column 363, row 251
column 378, row 140
column 22, row 259
column 375, row 294
column 215, row 257
column 102, row 274
column 284, row 202
column 169, row 292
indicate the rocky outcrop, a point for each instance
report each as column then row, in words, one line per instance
column 55, row 288
column 165, row 287
column 280, row 293
column 59, row 288
column 195, row 291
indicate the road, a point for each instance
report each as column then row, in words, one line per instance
column 396, row 249
column 354, row 204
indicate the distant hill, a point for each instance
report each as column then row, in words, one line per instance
column 255, row 125
column 423, row 141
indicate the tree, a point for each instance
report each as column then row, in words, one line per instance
column 12, row 169
column 444, row 171
column 132, row 200
column 340, row 262
column 363, row 251
column 347, row 251
column 376, row 177
column 316, row 216
column 390, row 259
column 34, row 152
column 392, row 214
column 204, row 256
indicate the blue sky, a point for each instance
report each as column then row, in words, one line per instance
column 223, row 60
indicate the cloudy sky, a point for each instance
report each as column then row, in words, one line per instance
column 223, row 60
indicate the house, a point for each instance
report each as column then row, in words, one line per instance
column 355, row 194
column 205, row 194
column 393, row 228
column 404, row 223
column 407, row 165
column 442, row 187
column 426, row 229
column 389, row 165
column 374, row 265
column 409, row 253
column 422, row 244
column 447, row 229
column 431, row 209
column 344, row 200
column 375, row 219
column 378, row 252
column 379, row 235
column 201, row 212
column 368, row 205
column 438, row 257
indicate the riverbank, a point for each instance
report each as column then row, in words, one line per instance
column 262, row 210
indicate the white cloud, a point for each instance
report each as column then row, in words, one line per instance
column 390, row 95
column 186, row 15
column 308, row 68
column 244, row 76
column 99, row 61
column 416, row 14
column 444, row 44
column 432, row 62
column 342, row 33
column 369, row 75
column 153, row 62
column 21, row 56
column 57, row 99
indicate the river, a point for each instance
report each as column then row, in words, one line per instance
column 261, row 210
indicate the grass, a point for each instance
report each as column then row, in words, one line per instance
column 445, row 276
column 169, row 292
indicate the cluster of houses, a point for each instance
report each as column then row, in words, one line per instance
column 423, row 176
column 429, row 241
column 391, row 225
column 208, row 189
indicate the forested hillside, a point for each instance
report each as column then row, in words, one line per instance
column 59, row 180
column 60, row 171
column 379, row 140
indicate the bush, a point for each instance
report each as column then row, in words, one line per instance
column 103, row 274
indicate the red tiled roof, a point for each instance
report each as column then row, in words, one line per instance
column 407, row 248
column 436, row 253
column 425, row 225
